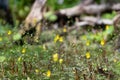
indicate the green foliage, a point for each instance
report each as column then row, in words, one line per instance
column 20, row 8
column 2, row 58
column 66, row 3
column 109, row 16
column 50, row 16
column 37, row 60
column 17, row 37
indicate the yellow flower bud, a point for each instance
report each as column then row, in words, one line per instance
column 55, row 57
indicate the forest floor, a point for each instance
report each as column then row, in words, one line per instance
column 76, row 55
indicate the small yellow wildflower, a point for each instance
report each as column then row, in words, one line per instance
column 107, row 27
column 64, row 29
column 61, row 39
column 102, row 42
column 48, row 74
column 37, row 71
column 87, row 43
column 87, row 55
column 1, row 39
column 55, row 57
column 56, row 38
column 115, row 60
column 24, row 50
column 60, row 61
column 9, row 32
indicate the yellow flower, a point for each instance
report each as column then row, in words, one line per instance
column 61, row 39
column 64, row 29
column 24, row 50
column 88, row 43
column 37, row 71
column 107, row 27
column 55, row 57
column 9, row 32
column 1, row 39
column 87, row 55
column 102, row 42
column 60, row 61
column 115, row 60
column 48, row 74
column 56, row 38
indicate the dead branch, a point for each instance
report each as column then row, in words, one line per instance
column 34, row 17
column 92, row 9
column 92, row 21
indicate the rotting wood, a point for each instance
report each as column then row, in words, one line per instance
column 33, row 19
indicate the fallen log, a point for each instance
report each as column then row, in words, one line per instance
column 33, row 19
column 92, row 21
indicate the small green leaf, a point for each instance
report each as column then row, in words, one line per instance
column 2, row 58
column 48, row 14
column 21, row 13
column 17, row 37
column 52, row 18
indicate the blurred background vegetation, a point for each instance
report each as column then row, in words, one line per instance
column 20, row 8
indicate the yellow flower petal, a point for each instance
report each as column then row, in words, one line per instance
column 9, row 32
column 87, row 55
column 61, row 39
column 102, row 42
column 37, row 71
column 87, row 43
column 60, row 61
column 56, row 38
column 48, row 74
column 24, row 50
column 55, row 57
column 107, row 27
